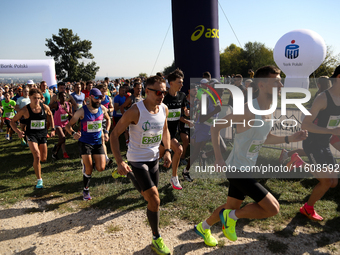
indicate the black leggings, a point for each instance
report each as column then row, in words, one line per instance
column 146, row 173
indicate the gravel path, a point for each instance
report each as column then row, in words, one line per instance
column 105, row 232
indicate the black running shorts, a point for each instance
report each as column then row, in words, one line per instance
column 317, row 154
column 240, row 188
column 36, row 139
column 88, row 149
column 146, row 173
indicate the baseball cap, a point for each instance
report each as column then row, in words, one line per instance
column 250, row 80
column 204, row 81
column 336, row 72
column 95, row 92
column 30, row 82
column 214, row 81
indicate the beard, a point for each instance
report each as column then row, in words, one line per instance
column 94, row 104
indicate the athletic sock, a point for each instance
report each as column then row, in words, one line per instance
column 232, row 215
column 205, row 225
column 153, row 218
column 132, row 177
column 39, row 179
column 86, row 181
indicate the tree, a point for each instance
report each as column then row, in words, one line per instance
column 167, row 70
column 258, row 55
column 232, row 61
column 143, row 75
column 328, row 65
column 67, row 49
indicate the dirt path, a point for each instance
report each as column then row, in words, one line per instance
column 23, row 231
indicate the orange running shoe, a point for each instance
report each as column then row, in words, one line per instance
column 310, row 212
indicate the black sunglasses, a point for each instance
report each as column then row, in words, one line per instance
column 98, row 97
column 159, row 92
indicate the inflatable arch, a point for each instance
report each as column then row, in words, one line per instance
column 44, row 66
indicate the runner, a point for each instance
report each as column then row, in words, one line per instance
column 321, row 125
column 147, row 123
column 90, row 136
column 175, row 101
column 36, row 114
column 8, row 113
column 78, row 96
column 61, row 118
column 46, row 92
column 134, row 98
column 265, row 204
column 54, row 100
column 23, row 101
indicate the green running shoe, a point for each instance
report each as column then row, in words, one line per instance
column 39, row 184
column 206, row 235
column 116, row 175
column 228, row 225
column 159, row 247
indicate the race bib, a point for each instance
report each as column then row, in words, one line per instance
column 174, row 114
column 9, row 115
column 254, row 148
column 94, row 126
column 37, row 124
column 333, row 121
column 151, row 139
column 63, row 117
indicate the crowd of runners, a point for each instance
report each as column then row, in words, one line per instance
column 158, row 123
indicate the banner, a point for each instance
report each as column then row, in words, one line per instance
column 196, row 38
column 44, row 66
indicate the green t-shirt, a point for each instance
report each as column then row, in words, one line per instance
column 8, row 112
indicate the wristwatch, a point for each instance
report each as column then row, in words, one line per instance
column 105, row 131
column 169, row 150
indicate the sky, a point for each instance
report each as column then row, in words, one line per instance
column 127, row 36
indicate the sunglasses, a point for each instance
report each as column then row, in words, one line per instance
column 98, row 97
column 159, row 92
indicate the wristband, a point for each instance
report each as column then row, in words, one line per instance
column 53, row 129
column 286, row 139
column 73, row 133
column 105, row 131
column 169, row 150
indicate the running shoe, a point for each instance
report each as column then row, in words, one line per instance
column 116, row 175
column 187, row 177
column 310, row 213
column 228, row 225
column 86, row 195
column 109, row 162
column 65, row 155
column 39, row 184
column 183, row 162
column 23, row 142
column 175, row 183
column 54, row 149
column 295, row 161
column 10, row 138
column 283, row 156
column 206, row 235
column 55, row 156
column 159, row 247
column 7, row 137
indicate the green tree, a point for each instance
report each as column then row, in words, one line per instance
column 67, row 49
column 328, row 65
column 257, row 55
column 143, row 75
column 167, row 70
column 232, row 61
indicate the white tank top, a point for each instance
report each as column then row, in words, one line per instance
column 146, row 135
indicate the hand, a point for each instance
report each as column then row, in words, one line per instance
column 52, row 133
column 77, row 135
column 167, row 160
column 123, row 168
column 219, row 164
column 21, row 134
column 299, row 136
column 336, row 131
column 106, row 137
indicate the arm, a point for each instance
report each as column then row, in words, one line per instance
column 296, row 137
column 78, row 115
column 53, row 104
column 166, row 139
column 17, row 117
column 126, row 104
column 108, row 124
column 50, row 119
column 130, row 117
column 73, row 102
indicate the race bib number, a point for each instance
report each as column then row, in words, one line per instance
column 63, row 117
column 333, row 121
column 174, row 114
column 37, row 124
column 254, row 148
column 9, row 115
column 150, row 139
column 94, row 126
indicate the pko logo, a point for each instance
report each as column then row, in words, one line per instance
column 211, row 33
column 292, row 50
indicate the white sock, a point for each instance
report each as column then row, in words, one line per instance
column 107, row 158
column 205, row 225
column 233, row 215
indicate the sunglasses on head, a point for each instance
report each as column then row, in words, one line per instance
column 159, row 92
column 98, row 97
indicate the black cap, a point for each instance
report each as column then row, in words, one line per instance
column 336, row 72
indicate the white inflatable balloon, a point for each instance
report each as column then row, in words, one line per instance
column 44, row 66
column 298, row 54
